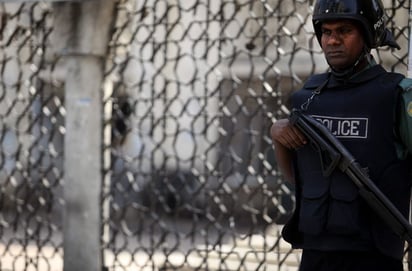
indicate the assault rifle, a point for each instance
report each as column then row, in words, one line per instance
column 334, row 155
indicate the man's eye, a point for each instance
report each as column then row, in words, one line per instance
column 326, row 32
column 345, row 30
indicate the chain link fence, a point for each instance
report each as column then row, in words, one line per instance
column 190, row 91
column 31, row 140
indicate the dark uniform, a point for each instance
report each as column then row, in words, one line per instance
column 370, row 111
column 331, row 216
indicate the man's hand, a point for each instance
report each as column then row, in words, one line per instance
column 285, row 138
column 284, row 133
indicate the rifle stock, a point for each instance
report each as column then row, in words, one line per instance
column 338, row 156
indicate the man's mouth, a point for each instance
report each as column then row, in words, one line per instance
column 334, row 54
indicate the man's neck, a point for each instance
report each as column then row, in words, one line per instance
column 362, row 64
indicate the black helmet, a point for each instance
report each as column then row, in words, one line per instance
column 369, row 13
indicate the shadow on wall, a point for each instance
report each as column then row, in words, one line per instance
column 173, row 192
column 183, row 195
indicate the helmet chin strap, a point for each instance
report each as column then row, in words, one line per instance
column 348, row 72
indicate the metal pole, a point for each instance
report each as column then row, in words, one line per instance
column 81, row 37
column 409, row 75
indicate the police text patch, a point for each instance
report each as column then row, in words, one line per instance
column 345, row 127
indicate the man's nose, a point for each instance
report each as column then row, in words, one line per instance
column 334, row 38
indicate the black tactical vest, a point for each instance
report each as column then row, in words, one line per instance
column 330, row 213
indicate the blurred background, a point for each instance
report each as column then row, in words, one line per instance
column 134, row 134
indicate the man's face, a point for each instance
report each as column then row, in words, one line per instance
column 342, row 43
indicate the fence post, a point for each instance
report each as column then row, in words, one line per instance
column 81, row 36
column 409, row 75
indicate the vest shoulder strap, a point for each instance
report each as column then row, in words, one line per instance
column 406, row 84
column 316, row 80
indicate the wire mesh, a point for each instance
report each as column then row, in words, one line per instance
column 31, row 134
column 193, row 184
column 191, row 88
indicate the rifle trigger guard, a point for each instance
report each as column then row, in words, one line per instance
column 328, row 168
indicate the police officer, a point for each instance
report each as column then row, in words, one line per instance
column 370, row 111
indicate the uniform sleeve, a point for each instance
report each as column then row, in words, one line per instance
column 405, row 117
